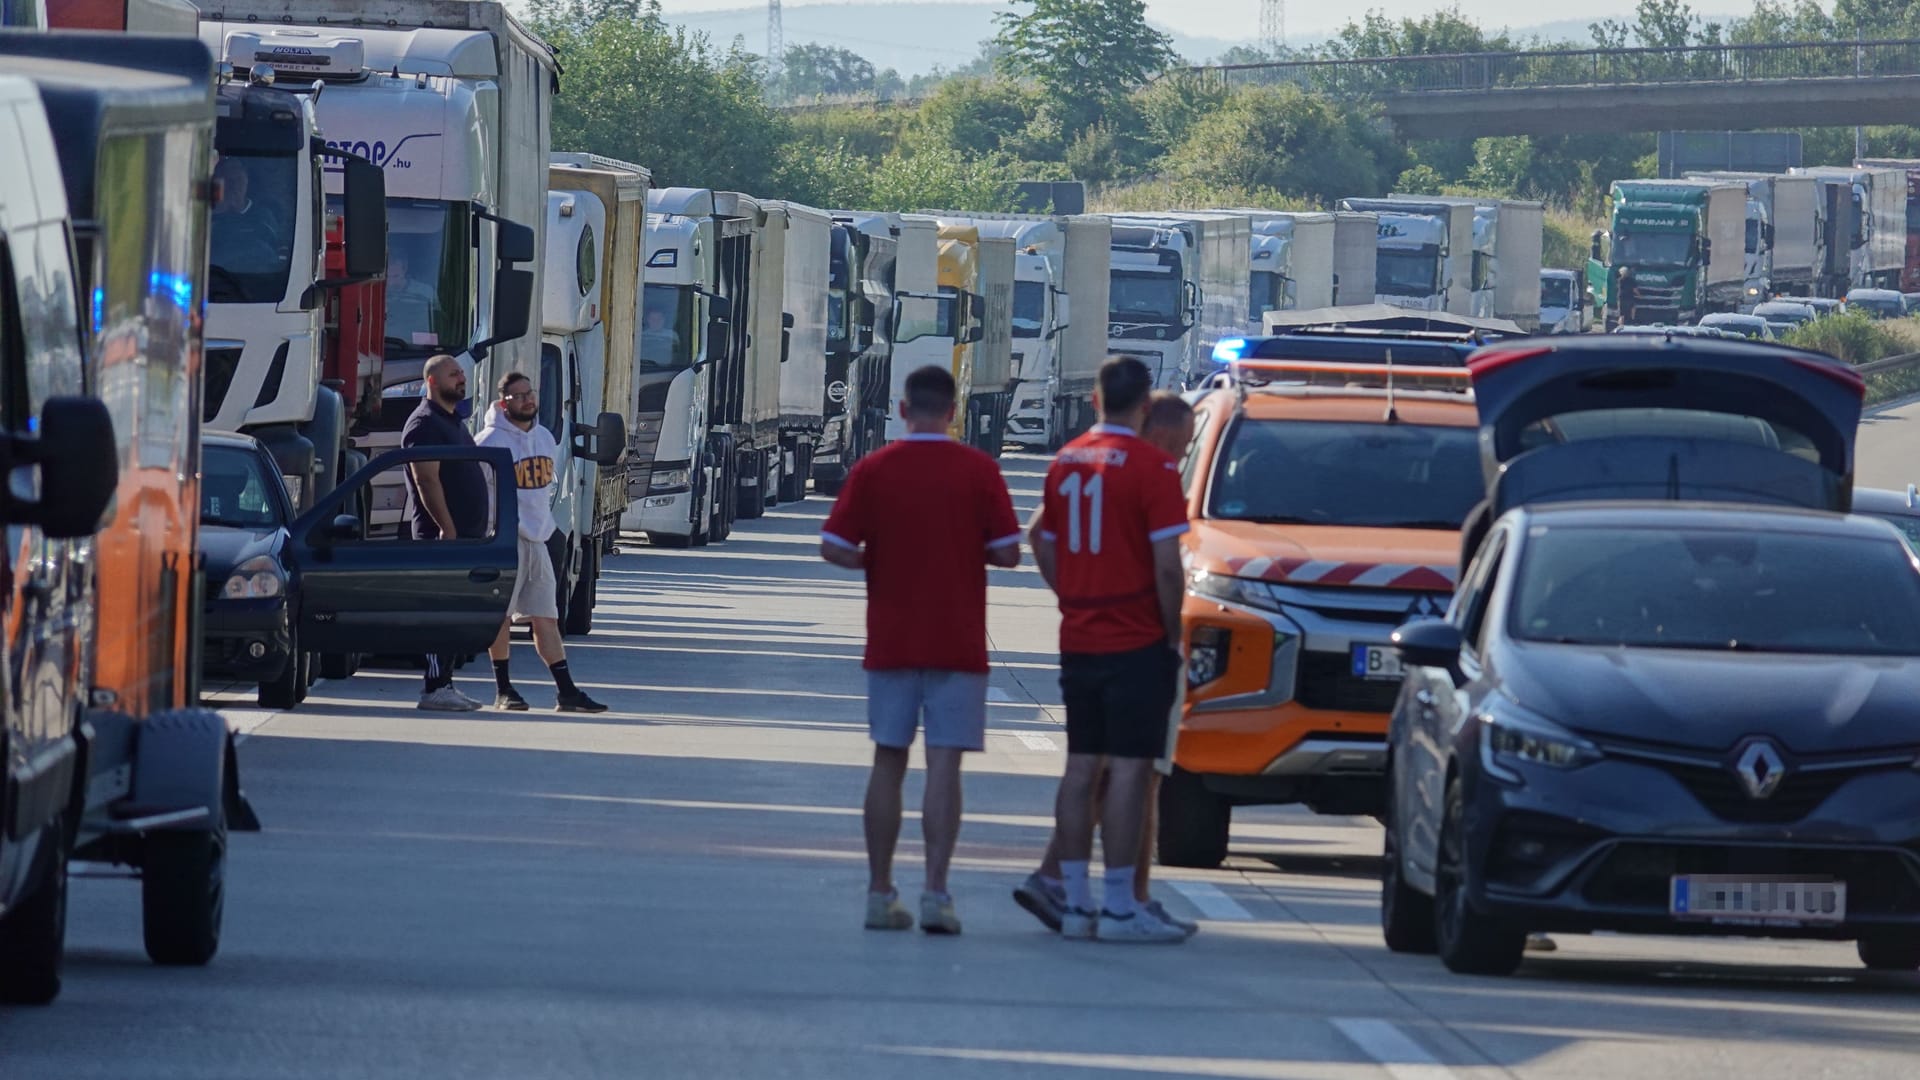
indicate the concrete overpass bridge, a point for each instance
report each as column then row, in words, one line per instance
column 1566, row 91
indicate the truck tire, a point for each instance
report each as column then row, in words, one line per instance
column 285, row 691
column 579, row 610
column 751, row 502
column 339, row 665
column 793, row 482
column 1194, row 822
column 829, row 481
column 33, row 936
column 183, row 894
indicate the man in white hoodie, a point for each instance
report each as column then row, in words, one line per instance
column 514, row 423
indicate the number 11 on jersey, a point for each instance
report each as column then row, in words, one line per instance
column 1072, row 489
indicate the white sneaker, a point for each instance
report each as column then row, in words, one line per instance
column 1138, row 928
column 1077, row 924
column 447, row 699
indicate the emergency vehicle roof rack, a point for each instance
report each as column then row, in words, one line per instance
column 1294, row 375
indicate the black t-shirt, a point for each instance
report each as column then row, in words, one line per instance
column 464, row 482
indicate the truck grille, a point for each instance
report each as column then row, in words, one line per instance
column 1327, row 682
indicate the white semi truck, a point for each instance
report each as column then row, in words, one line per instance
column 1878, row 233
column 1356, row 248
column 1515, row 231
column 452, row 102
column 596, row 213
column 991, row 400
column 1424, row 260
column 923, row 322
column 1178, row 285
column 804, row 239
column 1784, row 221
column 1291, row 259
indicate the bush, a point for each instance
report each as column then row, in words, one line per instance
column 1852, row 336
column 1567, row 240
column 1163, row 193
column 1280, row 138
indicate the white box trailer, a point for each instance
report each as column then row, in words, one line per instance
column 756, row 431
column 807, row 238
column 1356, row 247
column 1089, row 253
column 1222, row 247
column 993, row 373
column 1879, row 230
column 1518, row 241
column 916, row 277
column 1792, row 206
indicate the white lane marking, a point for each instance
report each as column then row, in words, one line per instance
column 994, row 693
column 1212, row 903
column 1400, row 1056
column 1036, row 742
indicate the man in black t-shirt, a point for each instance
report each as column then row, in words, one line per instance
column 446, row 500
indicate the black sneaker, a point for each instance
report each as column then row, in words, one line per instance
column 578, row 701
column 510, row 700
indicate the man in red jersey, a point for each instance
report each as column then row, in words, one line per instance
column 1107, row 541
column 924, row 518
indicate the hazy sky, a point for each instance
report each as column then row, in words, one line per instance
column 1234, row 19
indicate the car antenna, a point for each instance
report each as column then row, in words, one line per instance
column 1393, row 416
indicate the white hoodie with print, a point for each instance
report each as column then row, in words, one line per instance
column 533, row 464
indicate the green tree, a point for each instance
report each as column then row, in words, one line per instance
column 937, row 176
column 817, row 71
column 1084, row 54
column 1445, row 31
column 1280, row 138
column 978, row 116
column 641, row 91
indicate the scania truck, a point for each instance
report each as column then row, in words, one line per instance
column 452, row 102
column 1424, row 254
column 1677, row 252
column 596, row 211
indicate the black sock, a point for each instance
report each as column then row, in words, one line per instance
column 501, row 680
column 562, row 678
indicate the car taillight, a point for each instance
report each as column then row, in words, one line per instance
column 1207, row 651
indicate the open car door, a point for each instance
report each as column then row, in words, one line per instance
column 366, row 595
column 1683, row 419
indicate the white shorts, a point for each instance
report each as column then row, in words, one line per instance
column 952, row 704
column 536, row 595
column 1164, row 764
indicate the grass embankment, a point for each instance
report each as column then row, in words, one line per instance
column 1858, row 339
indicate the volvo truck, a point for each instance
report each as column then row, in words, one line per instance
column 805, row 237
column 1788, row 223
column 1673, row 253
column 452, row 102
column 596, row 212
column 1424, row 254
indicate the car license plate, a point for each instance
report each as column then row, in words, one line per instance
column 1376, row 662
column 1736, row 898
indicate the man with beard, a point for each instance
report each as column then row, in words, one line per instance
column 446, row 500
column 514, row 423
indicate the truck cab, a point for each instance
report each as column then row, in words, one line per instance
column 859, row 272
column 1412, row 267
column 674, row 501
column 1153, row 297
column 961, row 310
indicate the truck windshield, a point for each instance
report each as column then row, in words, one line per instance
column 1368, row 475
column 1753, row 235
column 666, row 329
column 1150, row 296
column 1653, row 249
column 1029, row 308
column 429, row 277
column 1407, row 273
column 1267, row 292
column 250, row 244
column 1556, row 292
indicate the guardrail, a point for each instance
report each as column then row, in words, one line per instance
column 1889, row 363
column 1577, row 67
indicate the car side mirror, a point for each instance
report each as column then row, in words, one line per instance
column 79, row 468
column 364, row 200
column 602, row 443
column 1432, row 643
column 512, row 308
column 344, row 528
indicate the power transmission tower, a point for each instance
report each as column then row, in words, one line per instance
column 776, row 46
column 1273, row 24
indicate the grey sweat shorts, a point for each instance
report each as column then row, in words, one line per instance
column 535, row 592
column 952, row 704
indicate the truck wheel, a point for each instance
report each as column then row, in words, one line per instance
column 579, row 620
column 283, row 692
column 339, row 665
column 183, row 894
column 1194, row 822
column 33, row 935
column 829, row 482
column 725, row 491
column 793, row 482
column 751, row 502
column 669, row 540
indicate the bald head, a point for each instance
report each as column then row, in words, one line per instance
column 446, row 381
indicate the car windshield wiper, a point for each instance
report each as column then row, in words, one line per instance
column 1276, row 519
column 1435, row 523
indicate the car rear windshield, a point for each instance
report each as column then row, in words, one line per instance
column 1371, row 475
column 1667, row 423
column 1747, row 591
column 235, row 489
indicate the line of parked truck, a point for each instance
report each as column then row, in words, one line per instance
column 1677, row 250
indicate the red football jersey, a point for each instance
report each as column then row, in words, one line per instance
column 1109, row 496
column 927, row 508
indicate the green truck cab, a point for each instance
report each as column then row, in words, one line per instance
column 1676, row 252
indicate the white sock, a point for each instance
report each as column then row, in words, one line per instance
column 1119, row 899
column 1074, row 876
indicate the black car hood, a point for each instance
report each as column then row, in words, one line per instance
column 1710, row 700
column 227, row 547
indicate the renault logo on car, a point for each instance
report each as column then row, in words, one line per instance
column 1760, row 769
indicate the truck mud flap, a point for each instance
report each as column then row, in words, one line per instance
column 184, row 761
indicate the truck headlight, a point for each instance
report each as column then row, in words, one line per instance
column 669, row 478
column 259, row 578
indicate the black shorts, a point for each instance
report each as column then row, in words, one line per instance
column 1118, row 703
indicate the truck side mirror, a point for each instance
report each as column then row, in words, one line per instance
column 364, row 198
column 79, row 468
column 604, row 442
column 719, row 309
column 1062, row 310
column 1594, row 251
column 863, row 325
column 786, row 335
column 514, row 242
column 1190, row 294
column 512, row 308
